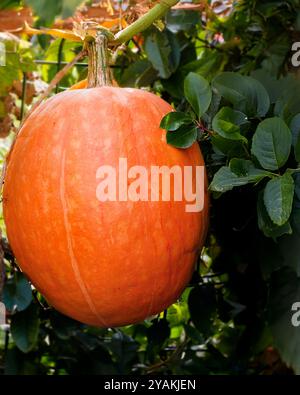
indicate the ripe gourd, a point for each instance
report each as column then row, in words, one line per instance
column 103, row 263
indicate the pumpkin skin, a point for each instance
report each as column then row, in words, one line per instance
column 83, row 84
column 79, row 85
column 102, row 263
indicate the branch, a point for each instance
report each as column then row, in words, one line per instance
column 144, row 21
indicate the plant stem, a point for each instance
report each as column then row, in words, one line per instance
column 98, row 68
column 293, row 170
column 144, row 21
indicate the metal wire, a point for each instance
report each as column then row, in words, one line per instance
column 79, row 64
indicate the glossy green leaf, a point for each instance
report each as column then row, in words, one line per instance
column 183, row 137
column 266, row 225
column 69, row 7
column 271, row 143
column 229, row 148
column 45, row 9
column 163, row 52
column 158, row 332
column 245, row 93
column 63, row 326
column 290, row 247
column 48, row 10
column 6, row 4
column 17, row 294
column 182, row 20
column 198, row 93
column 295, row 128
column 202, row 305
column 227, row 123
column 25, row 328
column 173, row 120
column 240, row 172
column 284, row 293
column 124, row 348
column 138, row 74
column 278, row 198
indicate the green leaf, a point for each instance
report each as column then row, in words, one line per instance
column 6, row 4
column 208, row 65
column 163, row 51
column 193, row 334
column 182, row 20
column 124, row 349
column 183, row 137
column 278, row 198
column 297, row 150
column 295, row 128
column 25, row 328
column 173, row 120
column 18, row 364
column 266, row 225
column 273, row 86
column 290, row 250
column 271, row 143
column 64, row 327
column 17, row 294
column 297, row 184
column 19, row 58
column 240, row 172
column 245, row 93
column 284, row 292
column 69, row 7
column 48, row 10
column 229, row 148
column 198, row 93
column 227, row 123
column 158, row 332
column 203, row 305
column 45, row 9
column 138, row 74
column 52, row 54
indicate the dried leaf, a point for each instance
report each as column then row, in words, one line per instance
column 67, row 34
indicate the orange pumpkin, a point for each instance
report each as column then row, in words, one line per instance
column 83, row 84
column 79, row 85
column 103, row 263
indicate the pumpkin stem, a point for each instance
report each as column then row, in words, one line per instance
column 98, row 63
